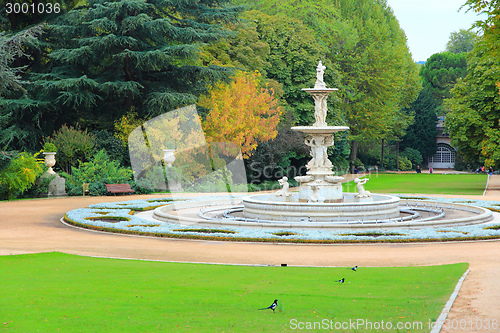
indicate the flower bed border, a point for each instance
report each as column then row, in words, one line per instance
column 191, row 234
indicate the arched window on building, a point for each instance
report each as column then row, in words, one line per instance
column 444, row 157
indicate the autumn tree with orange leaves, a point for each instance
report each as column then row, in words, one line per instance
column 241, row 112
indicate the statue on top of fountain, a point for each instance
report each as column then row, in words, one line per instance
column 320, row 71
column 320, row 107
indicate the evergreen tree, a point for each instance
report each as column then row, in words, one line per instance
column 440, row 73
column 11, row 48
column 110, row 58
column 421, row 135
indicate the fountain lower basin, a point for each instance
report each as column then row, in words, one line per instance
column 273, row 208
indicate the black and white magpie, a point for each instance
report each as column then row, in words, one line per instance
column 355, row 268
column 341, row 280
column 272, row 306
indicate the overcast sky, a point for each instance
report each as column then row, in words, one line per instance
column 429, row 23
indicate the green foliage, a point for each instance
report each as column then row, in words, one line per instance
column 41, row 186
column 112, row 145
column 404, row 163
column 474, row 117
column 153, row 179
column 49, row 147
column 97, row 172
column 293, row 56
column 440, row 72
column 105, row 58
column 357, row 163
column 217, row 181
column 6, row 157
column 73, row 145
column 11, row 48
column 461, row 41
column 421, row 135
column 19, row 175
column 244, row 49
column 412, row 155
column 379, row 77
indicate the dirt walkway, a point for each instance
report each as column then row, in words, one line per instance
column 29, row 226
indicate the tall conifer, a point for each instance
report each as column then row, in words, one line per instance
column 112, row 57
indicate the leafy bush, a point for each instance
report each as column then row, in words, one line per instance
column 19, row 175
column 113, row 146
column 462, row 165
column 404, row 164
column 40, row 187
column 49, row 147
column 217, row 181
column 413, row 155
column 73, row 146
column 99, row 171
column 152, row 180
column 358, row 164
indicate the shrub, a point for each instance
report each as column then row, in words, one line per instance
column 358, row 164
column 41, row 186
column 113, row 146
column 49, row 147
column 413, row 155
column 19, row 175
column 73, row 145
column 152, row 180
column 99, row 171
column 404, row 164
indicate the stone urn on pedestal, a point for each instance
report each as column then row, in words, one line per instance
column 50, row 161
column 57, row 186
column 168, row 159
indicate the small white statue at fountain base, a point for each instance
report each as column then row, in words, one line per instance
column 362, row 193
column 316, row 195
column 284, row 191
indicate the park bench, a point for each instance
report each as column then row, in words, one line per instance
column 119, row 188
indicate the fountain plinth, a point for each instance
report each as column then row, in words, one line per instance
column 320, row 185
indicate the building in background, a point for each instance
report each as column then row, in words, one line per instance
column 445, row 155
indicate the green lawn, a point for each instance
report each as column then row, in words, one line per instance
column 52, row 292
column 424, row 183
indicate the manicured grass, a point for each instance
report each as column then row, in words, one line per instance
column 53, row 292
column 471, row 184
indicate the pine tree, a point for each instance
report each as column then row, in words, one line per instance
column 421, row 135
column 110, row 58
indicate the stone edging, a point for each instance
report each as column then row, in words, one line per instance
column 442, row 317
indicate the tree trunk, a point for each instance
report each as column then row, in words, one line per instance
column 397, row 155
column 354, row 152
column 382, row 154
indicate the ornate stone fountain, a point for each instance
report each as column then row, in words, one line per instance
column 320, row 184
column 320, row 203
column 320, row 195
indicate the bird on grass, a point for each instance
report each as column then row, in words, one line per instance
column 341, row 280
column 272, row 306
column 355, row 268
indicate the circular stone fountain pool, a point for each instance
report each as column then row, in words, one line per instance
column 411, row 214
column 271, row 207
